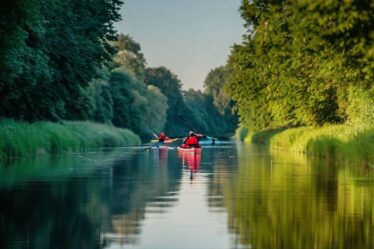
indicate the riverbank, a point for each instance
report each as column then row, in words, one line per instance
column 341, row 143
column 19, row 139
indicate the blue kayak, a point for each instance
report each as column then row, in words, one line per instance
column 209, row 142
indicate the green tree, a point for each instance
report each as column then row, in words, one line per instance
column 129, row 56
column 214, row 85
column 170, row 86
column 208, row 116
column 298, row 60
column 136, row 106
column 58, row 45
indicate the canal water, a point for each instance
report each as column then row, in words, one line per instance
column 233, row 195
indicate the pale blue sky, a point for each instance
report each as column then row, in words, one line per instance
column 189, row 37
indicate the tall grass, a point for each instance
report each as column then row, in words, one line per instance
column 18, row 139
column 342, row 143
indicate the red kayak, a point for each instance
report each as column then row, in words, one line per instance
column 189, row 150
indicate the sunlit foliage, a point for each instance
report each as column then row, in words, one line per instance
column 299, row 60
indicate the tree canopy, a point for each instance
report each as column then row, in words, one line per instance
column 300, row 60
column 63, row 60
column 50, row 51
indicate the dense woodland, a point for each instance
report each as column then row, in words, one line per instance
column 304, row 63
column 63, row 60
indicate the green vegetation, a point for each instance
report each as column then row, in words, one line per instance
column 300, row 61
column 63, row 60
column 50, row 50
column 340, row 143
column 170, row 85
column 209, row 112
column 307, row 64
column 18, row 139
column 210, row 120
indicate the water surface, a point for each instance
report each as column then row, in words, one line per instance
column 232, row 196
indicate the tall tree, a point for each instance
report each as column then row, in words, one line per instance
column 60, row 45
column 136, row 106
column 214, row 85
column 129, row 56
column 208, row 116
column 299, row 60
column 170, row 86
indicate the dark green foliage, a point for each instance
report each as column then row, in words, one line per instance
column 50, row 51
column 170, row 86
column 136, row 106
column 299, row 59
column 208, row 117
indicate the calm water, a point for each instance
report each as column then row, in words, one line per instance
column 233, row 196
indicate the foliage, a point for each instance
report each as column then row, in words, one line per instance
column 129, row 56
column 62, row 60
column 341, row 143
column 298, row 61
column 214, row 85
column 208, row 116
column 134, row 104
column 18, row 139
column 170, row 86
column 50, row 53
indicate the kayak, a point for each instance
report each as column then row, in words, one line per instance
column 209, row 142
column 190, row 150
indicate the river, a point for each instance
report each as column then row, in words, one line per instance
column 234, row 195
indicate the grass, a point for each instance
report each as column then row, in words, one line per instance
column 19, row 139
column 341, row 143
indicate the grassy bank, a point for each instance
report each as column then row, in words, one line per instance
column 19, row 139
column 342, row 143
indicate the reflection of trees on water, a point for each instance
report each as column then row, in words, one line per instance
column 77, row 211
column 47, row 215
column 151, row 187
column 283, row 202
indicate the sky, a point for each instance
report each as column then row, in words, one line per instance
column 189, row 37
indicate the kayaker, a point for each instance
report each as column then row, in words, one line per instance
column 162, row 137
column 191, row 141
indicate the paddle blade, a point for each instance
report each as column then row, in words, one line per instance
column 168, row 141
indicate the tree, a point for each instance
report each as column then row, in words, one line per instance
column 170, row 86
column 214, row 85
column 129, row 56
column 58, row 47
column 136, row 106
column 212, row 121
column 298, row 60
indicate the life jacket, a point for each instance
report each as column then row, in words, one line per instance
column 192, row 141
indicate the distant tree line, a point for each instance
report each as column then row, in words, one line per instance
column 304, row 63
column 63, row 60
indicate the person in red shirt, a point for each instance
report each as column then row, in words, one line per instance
column 191, row 141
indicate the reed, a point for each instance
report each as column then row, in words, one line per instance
column 341, row 143
column 20, row 139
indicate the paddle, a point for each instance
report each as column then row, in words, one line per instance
column 192, row 128
column 167, row 141
column 160, row 146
